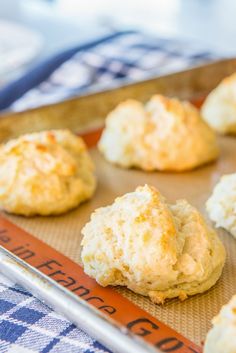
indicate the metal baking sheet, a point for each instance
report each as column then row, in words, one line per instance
column 192, row 317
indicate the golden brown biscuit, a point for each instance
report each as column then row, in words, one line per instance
column 154, row 248
column 221, row 206
column 45, row 173
column 219, row 108
column 165, row 134
column 222, row 337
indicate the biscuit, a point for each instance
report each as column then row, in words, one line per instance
column 154, row 248
column 221, row 206
column 45, row 173
column 219, row 108
column 165, row 134
column 222, row 336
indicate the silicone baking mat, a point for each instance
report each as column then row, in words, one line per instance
column 191, row 317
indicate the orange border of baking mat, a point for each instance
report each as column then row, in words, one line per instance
column 71, row 275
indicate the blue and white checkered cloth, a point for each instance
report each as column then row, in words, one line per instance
column 27, row 325
column 117, row 58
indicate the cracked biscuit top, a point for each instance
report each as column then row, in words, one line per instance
column 154, row 248
column 45, row 173
column 219, row 108
column 164, row 134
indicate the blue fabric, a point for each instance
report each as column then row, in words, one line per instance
column 27, row 325
column 40, row 73
column 101, row 64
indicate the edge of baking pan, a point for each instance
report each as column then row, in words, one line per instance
column 89, row 111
